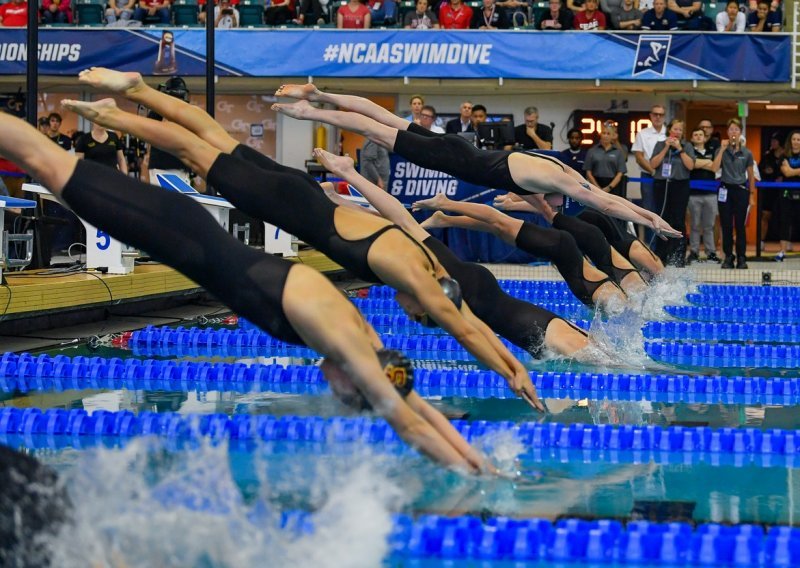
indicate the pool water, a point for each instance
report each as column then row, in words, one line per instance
column 225, row 502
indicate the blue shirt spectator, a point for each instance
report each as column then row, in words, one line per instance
column 659, row 18
column 763, row 20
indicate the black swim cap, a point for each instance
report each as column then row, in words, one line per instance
column 398, row 370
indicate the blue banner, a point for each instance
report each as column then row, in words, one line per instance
column 401, row 53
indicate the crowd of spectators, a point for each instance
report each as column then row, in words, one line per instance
column 586, row 15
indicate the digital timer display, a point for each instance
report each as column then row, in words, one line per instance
column 629, row 124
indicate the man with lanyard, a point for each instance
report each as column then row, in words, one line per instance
column 734, row 197
column 642, row 148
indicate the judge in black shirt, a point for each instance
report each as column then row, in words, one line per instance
column 102, row 146
column 532, row 135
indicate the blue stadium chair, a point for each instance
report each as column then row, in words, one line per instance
column 251, row 13
column 185, row 12
column 89, row 12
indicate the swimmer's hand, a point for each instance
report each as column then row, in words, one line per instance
column 522, row 385
column 507, row 202
column 664, row 230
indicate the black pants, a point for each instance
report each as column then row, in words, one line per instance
column 788, row 211
column 732, row 215
column 315, row 8
column 277, row 15
column 672, row 199
column 621, row 189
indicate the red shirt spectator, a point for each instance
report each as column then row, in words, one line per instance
column 591, row 18
column 14, row 14
column 353, row 16
column 455, row 16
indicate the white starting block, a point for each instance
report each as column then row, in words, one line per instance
column 7, row 261
column 102, row 251
column 275, row 240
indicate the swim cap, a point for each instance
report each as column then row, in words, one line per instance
column 398, row 370
column 452, row 289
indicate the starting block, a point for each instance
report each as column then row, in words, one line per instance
column 102, row 251
column 275, row 240
column 7, row 238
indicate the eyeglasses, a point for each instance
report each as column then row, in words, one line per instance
column 657, row 114
column 427, row 116
column 705, row 126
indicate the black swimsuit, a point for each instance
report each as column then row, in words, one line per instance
column 522, row 323
column 293, row 201
column 455, row 155
column 177, row 231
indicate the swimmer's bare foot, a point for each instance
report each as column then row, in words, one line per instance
column 436, row 221
column 307, row 92
column 301, row 110
column 338, row 165
column 97, row 111
column 110, row 80
column 438, row 201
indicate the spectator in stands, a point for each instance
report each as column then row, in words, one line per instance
column 731, row 19
column 56, row 12
column 226, row 16
column 119, row 10
column 489, row 17
column 790, row 198
column 627, row 17
column 353, row 16
column 590, row 19
column 764, row 20
column 422, row 18
column 55, row 125
column 643, row 150
column 317, row 12
column 736, row 163
column 149, row 10
column 770, row 166
column 659, row 18
column 702, row 202
column 382, row 11
column 556, row 18
column 605, row 163
column 375, row 164
column 455, row 15
column 517, row 12
column 575, row 155
column 690, row 15
column 427, row 119
column 103, row 147
column 531, row 135
column 14, row 14
column 415, row 103
column 44, row 125
column 279, row 12
column 464, row 121
column 672, row 162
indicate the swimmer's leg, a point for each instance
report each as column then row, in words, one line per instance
column 565, row 338
column 644, row 259
column 176, row 110
column 485, row 218
column 197, row 154
column 361, row 105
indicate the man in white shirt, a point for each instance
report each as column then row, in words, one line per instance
column 642, row 148
column 225, row 15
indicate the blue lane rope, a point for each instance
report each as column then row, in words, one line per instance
column 735, row 315
column 28, row 372
column 735, row 301
column 709, row 331
column 688, row 443
column 568, row 310
column 749, row 290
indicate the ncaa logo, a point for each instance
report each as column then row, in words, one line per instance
column 651, row 54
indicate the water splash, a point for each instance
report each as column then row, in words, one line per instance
column 143, row 506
